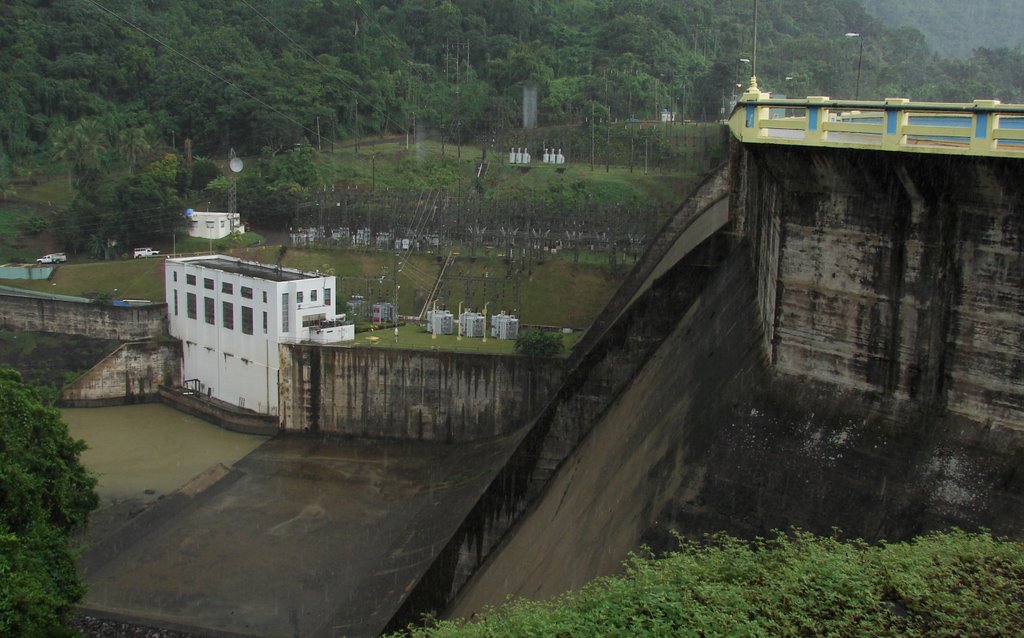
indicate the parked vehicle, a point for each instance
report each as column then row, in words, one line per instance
column 53, row 258
column 144, row 252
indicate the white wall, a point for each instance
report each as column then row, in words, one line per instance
column 235, row 367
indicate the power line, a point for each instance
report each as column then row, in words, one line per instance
column 298, row 46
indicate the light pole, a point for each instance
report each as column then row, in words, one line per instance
column 753, row 66
column 485, row 321
column 860, row 58
column 458, row 333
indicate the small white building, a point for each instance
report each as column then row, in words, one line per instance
column 210, row 225
column 231, row 315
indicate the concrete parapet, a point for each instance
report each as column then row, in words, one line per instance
column 219, row 413
column 20, row 312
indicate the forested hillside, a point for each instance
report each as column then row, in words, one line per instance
column 110, row 90
column 263, row 73
column 954, row 27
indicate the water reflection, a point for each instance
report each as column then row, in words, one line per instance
column 141, row 452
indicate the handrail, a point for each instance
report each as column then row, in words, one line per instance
column 981, row 128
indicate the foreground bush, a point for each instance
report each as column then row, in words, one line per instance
column 45, row 496
column 943, row 584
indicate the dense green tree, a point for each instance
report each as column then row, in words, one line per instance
column 538, row 343
column 45, row 496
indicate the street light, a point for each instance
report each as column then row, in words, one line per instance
column 739, row 85
column 209, row 234
column 860, row 58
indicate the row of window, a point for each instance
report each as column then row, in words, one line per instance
column 246, row 292
column 225, row 287
column 227, row 313
column 299, row 297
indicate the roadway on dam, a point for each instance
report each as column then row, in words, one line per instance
column 303, row 536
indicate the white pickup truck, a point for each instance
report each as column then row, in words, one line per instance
column 144, row 252
column 52, row 258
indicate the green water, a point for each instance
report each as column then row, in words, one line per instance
column 145, row 451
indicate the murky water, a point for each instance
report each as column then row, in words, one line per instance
column 144, row 451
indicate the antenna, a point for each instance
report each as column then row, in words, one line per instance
column 236, row 165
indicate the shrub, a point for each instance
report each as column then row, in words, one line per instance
column 536, row 343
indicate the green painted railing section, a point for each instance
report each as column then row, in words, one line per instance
column 983, row 127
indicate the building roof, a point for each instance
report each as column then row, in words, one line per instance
column 247, row 268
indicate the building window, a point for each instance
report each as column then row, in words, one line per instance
column 298, row 297
column 327, row 296
column 227, row 288
column 174, row 275
column 312, row 320
column 264, row 296
column 190, row 304
column 246, row 320
column 246, row 292
column 312, row 295
column 208, row 310
column 207, row 283
column 264, row 323
column 190, row 280
column 175, row 303
column 227, row 311
column 284, row 312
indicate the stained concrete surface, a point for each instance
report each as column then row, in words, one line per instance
column 303, row 537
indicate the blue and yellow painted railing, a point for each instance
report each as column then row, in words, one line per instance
column 983, row 127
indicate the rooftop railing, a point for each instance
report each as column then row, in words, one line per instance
column 983, row 127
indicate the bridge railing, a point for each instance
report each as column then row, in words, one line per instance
column 983, row 127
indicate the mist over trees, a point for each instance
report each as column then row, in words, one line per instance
column 955, row 28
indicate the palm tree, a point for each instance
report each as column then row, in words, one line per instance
column 79, row 144
column 6, row 189
column 134, row 141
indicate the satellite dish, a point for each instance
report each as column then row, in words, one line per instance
column 235, row 164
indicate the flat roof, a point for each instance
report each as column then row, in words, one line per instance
column 248, row 268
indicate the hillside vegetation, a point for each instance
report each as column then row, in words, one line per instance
column 942, row 585
column 140, row 104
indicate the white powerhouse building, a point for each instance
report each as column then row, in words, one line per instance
column 231, row 315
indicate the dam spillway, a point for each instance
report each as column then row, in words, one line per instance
column 851, row 360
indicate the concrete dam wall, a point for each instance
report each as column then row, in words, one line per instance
column 416, row 395
column 844, row 352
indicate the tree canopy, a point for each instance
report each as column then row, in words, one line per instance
column 87, row 82
column 45, row 496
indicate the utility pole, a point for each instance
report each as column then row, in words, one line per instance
column 395, row 284
column 591, row 135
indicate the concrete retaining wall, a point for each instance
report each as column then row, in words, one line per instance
column 131, row 374
column 219, row 413
column 411, row 394
column 892, row 273
column 86, row 319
